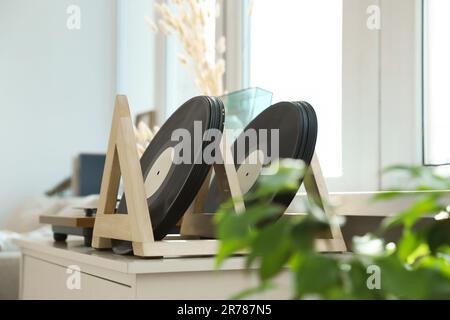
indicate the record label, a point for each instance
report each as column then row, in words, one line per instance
column 159, row 172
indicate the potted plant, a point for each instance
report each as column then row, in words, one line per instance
column 415, row 267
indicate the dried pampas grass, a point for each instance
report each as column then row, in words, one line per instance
column 186, row 19
column 144, row 135
column 251, row 7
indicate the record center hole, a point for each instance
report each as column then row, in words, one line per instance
column 158, row 173
column 247, row 174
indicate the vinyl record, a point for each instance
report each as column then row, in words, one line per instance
column 296, row 123
column 170, row 187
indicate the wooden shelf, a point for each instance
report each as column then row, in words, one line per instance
column 74, row 222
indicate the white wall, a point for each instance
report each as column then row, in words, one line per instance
column 57, row 89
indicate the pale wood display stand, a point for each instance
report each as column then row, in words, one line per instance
column 136, row 226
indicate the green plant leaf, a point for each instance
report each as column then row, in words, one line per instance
column 420, row 178
column 399, row 281
column 306, row 231
column 392, row 194
column 413, row 171
column 439, row 264
column 263, row 287
column 317, row 274
column 236, row 231
column 357, row 282
column 272, row 245
column 409, row 217
column 438, row 234
column 444, row 251
column 411, row 247
column 422, row 283
column 287, row 176
column 237, row 226
column 229, row 247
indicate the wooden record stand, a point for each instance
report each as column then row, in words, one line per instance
column 136, row 226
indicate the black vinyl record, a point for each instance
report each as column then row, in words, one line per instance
column 171, row 187
column 296, row 123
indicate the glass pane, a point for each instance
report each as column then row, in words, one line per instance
column 437, row 93
column 296, row 52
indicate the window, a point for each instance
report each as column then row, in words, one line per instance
column 436, row 82
column 364, row 84
column 296, row 52
column 180, row 86
column 333, row 62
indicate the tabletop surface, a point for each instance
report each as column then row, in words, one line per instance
column 73, row 249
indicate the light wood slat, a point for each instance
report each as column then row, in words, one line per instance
column 75, row 222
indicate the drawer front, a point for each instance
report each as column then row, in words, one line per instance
column 208, row 285
column 45, row 280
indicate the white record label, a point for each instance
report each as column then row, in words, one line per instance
column 158, row 172
column 250, row 170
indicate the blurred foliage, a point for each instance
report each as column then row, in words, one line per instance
column 416, row 267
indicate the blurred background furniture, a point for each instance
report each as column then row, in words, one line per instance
column 9, row 275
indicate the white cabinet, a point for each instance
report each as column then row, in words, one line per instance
column 70, row 271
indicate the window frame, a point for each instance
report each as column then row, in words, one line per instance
column 425, row 15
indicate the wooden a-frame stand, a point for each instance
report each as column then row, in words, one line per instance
column 136, row 226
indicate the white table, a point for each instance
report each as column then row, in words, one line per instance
column 49, row 270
